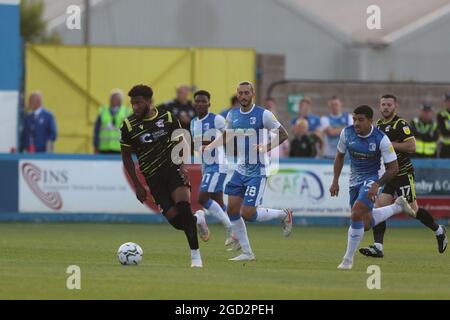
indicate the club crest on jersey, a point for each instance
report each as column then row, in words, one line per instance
column 372, row 147
column 406, row 130
column 252, row 120
column 160, row 123
column 206, row 126
column 387, row 128
column 141, row 127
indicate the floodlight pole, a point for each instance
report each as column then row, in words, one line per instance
column 87, row 44
column 87, row 18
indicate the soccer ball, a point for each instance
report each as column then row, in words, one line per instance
column 130, row 253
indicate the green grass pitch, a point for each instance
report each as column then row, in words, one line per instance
column 34, row 258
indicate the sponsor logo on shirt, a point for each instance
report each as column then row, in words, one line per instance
column 160, row 123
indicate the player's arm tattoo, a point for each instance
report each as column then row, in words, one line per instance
column 128, row 163
column 281, row 136
column 391, row 172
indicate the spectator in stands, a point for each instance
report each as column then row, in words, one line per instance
column 107, row 124
column 270, row 104
column 332, row 125
column 305, row 112
column 181, row 106
column 304, row 143
column 39, row 132
column 234, row 102
column 426, row 132
column 443, row 122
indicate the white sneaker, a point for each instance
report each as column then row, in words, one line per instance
column 196, row 263
column 229, row 240
column 235, row 245
column 286, row 223
column 402, row 202
column 203, row 229
column 244, row 257
column 345, row 264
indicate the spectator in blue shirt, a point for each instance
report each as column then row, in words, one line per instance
column 305, row 112
column 39, row 130
column 314, row 125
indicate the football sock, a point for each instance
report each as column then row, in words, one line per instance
column 355, row 235
column 195, row 254
column 177, row 222
column 189, row 223
column 213, row 207
column 439, row 231
column 265, row 214
column 378, row 233
column 425, row 217
column 240, row 232
column 379, row 246
column 383, row 213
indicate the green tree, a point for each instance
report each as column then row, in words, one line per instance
column 32, row 26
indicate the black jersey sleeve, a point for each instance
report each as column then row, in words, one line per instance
column 403, row 131
column 125, row 133
column 176, row 128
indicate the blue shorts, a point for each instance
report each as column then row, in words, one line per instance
column 212, row 182
column 251, row 189
column 359, row 192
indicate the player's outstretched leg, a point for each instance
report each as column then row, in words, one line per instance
column 284, row 215
column 362, row 219
column 240, row 232
column 202, row 226
column 187, row 222
column 217, row 211
column 354, row 236
column 379, row 216
column 239, row 228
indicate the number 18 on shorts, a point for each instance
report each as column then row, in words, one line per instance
column 251, row 189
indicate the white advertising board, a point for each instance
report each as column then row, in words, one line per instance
column 76, row 186
column 305, row 189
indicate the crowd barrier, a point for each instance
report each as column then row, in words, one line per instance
column 61, row 187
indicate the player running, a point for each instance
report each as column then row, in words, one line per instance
column 404, row 144
column 366, row 146
column 246, row 187
column 148, row 134
column 204, row 128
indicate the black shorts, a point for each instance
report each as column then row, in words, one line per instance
column 164, row 183
column 402, row 186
